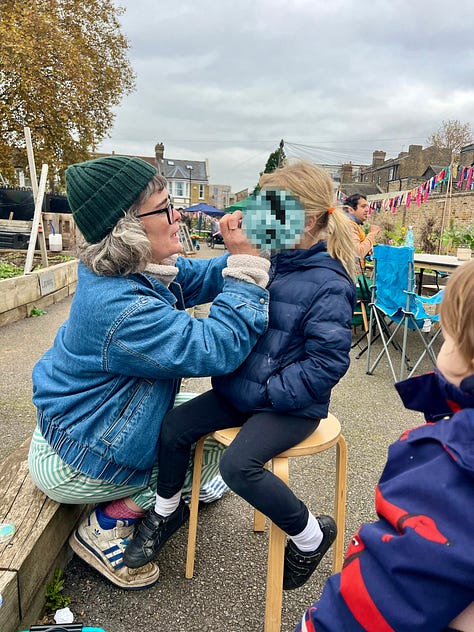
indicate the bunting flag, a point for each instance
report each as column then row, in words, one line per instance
column 420, row 194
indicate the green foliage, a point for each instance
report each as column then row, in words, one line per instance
column 36, row 311
column 457, row 235
column 54, row 599
column 8, row 270
column 396, row 234
column 276, row 159
column 12, row 264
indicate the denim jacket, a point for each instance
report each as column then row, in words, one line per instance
column 113, row 371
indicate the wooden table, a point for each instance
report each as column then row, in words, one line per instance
column 443, row 263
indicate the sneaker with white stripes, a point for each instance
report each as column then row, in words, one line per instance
column 103, row 550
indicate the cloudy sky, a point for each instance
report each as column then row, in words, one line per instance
column 227, row 79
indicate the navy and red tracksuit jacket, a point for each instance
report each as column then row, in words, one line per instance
column 413, row 569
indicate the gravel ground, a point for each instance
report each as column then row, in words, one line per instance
column 228, row 589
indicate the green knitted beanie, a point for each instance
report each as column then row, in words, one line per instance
column 100, row 191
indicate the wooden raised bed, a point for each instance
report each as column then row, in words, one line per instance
column 40, row 288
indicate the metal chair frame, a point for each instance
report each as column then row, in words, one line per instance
column 411, row 315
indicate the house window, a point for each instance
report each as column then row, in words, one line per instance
column 393, row 173
column 178, row 189
column 201, row 191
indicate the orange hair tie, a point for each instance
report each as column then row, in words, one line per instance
column 331, row 210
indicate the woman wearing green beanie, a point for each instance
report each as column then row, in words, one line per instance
column 114, row 369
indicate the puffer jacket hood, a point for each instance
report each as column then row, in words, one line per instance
column 434, row 396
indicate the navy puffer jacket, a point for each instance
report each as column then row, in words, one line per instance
column 305, row 350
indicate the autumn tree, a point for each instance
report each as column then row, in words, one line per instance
column 451, row 135
column 63, row 67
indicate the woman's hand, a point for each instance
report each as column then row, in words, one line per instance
column 235, row 240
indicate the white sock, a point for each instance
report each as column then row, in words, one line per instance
column 310, row 538
column 165, row 506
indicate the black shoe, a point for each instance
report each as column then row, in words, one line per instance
column 299, row 566
column 151, row 535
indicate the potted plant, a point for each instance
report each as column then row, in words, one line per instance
column 461, row 238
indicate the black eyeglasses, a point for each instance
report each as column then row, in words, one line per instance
column 168, row 209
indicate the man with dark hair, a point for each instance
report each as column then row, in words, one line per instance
column 357, row 209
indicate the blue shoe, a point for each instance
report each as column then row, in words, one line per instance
column 103, row 549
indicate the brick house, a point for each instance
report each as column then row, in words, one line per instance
column 188, row 180
column 220, row 195
column 467, row 155
column 407, row 170
column 350, row 182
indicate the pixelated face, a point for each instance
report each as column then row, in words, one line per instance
column 273, row 220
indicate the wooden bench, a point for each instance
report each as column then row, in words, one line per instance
column 38, row 547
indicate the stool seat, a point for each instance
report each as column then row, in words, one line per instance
column 326, row 435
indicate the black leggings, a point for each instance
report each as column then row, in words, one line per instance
column 263, row 436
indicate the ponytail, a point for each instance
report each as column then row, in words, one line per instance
column 339, row 240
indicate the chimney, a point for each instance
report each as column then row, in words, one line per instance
column 346, row 173
column 415, row 149
column 378, row 158
column 159, row 152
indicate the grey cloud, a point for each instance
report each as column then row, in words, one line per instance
column 227, row 80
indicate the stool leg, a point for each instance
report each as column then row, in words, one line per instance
column 276, row 556
column 340, row 503
column 258, row 517
column 193, row 516
column 258, row 521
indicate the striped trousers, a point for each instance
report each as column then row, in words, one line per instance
column 65, row 484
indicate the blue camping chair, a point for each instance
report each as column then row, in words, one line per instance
column 396, row 307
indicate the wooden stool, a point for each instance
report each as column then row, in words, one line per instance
column 324, row 437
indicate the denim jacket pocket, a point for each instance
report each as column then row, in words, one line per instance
column 126, row 414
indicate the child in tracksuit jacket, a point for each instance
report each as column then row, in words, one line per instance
column 413, row 569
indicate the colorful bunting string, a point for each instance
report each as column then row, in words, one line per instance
column 420, row 194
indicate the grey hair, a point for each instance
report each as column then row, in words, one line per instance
column 126, row 249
